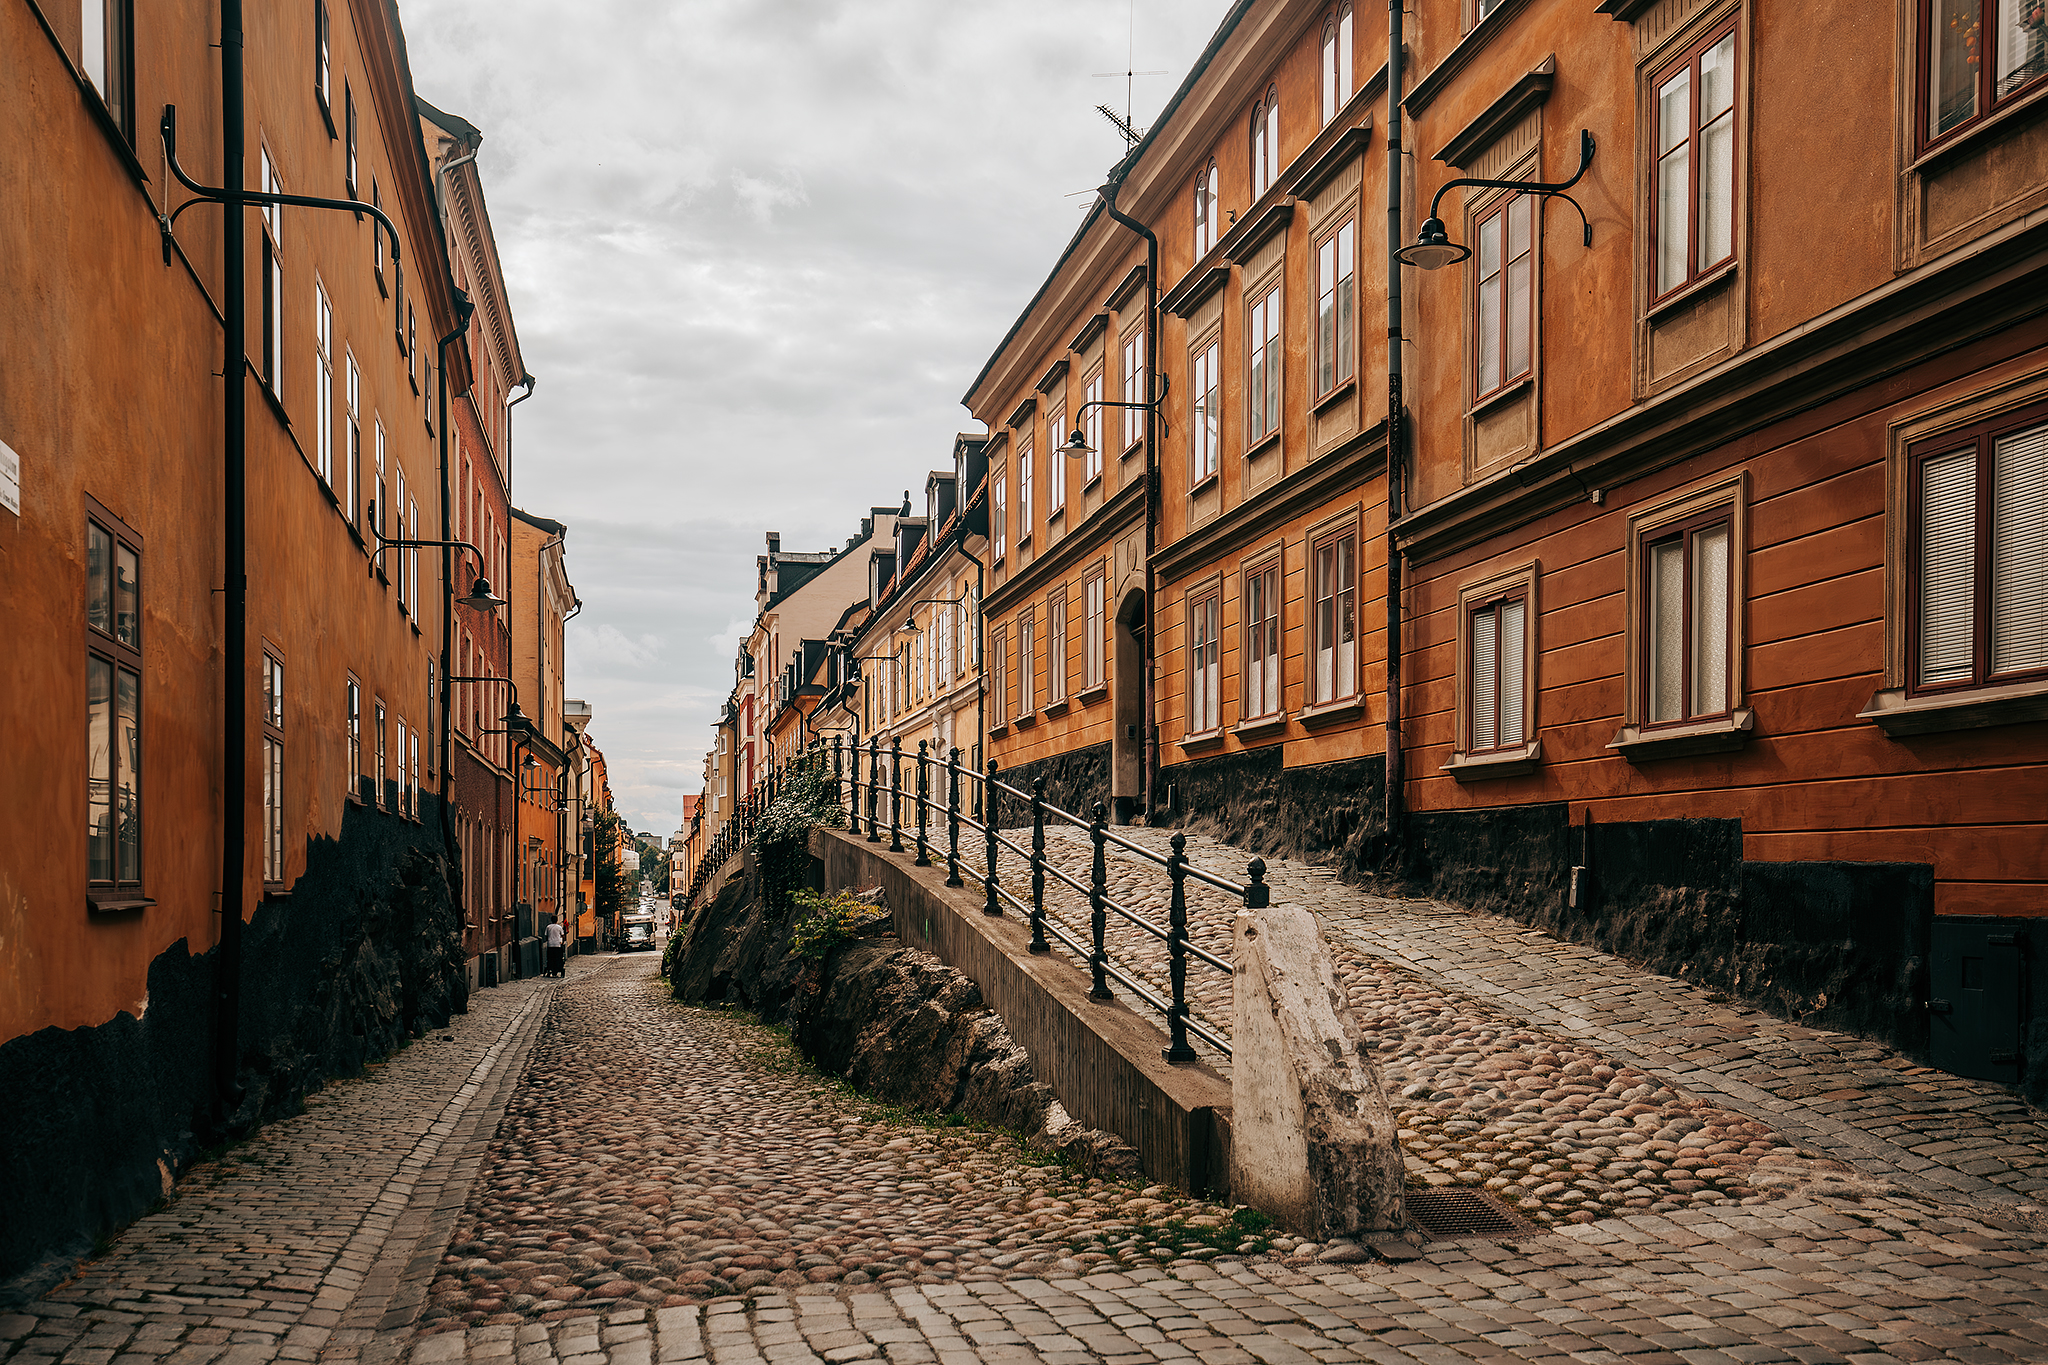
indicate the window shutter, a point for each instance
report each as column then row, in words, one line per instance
column 1948, row 563
column 1485, row 690
column 1710, row 622
column 1513, row 644
column 1666, row 626
column 2019, row 553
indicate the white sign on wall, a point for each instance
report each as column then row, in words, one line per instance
column 10, row 479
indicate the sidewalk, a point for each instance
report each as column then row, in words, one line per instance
column 315, row 1238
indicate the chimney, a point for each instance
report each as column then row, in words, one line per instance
column 774, row 542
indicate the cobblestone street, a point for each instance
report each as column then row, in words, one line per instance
column 585, row 1172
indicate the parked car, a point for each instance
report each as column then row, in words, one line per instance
column 636, row 933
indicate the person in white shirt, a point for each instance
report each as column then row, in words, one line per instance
column 555, row 939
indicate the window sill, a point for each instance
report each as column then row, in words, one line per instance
column 1057, row 514
column 1722, row 734
column 382, row 291
column 1500, row 397
column 1203, row 739
column 1495, row 763
column 1265, row 445
column 1023, row 542
column 111, row 902
column 1094, row 480
column 1026, row 721
column 1898, row 715
column 270, row 397
column 1691, row 293
column 997, row 562
column 1331, row 712
column 1258, row 727
column 1987, row 129
column 998, row 731
column 1090, row 695
column 1334, row 396
column 1203, row 484
column 1055, row 708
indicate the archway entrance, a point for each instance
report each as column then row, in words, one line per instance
column 1127, row 691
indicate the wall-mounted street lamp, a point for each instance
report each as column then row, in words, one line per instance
column 479, row 598
column 1433, row 248
column 1077, row 446
column 515, row 720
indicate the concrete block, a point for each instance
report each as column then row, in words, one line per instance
column 1313, row 1140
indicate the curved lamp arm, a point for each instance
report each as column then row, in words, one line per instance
column 208, row 194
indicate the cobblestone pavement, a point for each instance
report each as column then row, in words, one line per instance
column 595, row 1134
column 1569, row 1083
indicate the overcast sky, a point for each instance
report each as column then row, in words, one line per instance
column 757, row 249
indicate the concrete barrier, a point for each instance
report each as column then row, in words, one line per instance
column 1316, row 1143
column 1101, row 1058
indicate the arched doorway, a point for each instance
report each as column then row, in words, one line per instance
column 1127, row 692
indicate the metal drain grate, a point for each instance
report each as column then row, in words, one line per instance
column 1444, row 1214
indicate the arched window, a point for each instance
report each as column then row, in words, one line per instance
column 1337, row 85
column 1265, row 141
column 1207, row 211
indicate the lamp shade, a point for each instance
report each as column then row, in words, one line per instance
column 481, row 598
column 1432, row 249
column 1077, row 445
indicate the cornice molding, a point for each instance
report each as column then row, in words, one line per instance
column 1503, row 114
column 1188, row 295
column 1326, row 477
column 1091, row 536
column 1323, row 169
column 1460, row 56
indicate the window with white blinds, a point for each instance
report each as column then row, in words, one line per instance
column 1980, row 558
column 1205, row 694
column 1500, row 639
column 1686, row 632
column 1261, row 642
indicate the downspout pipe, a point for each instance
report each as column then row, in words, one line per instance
column 1151, row 400
column 235, row 583
column 463, row 311
column 1397, row 449
column 512, row 616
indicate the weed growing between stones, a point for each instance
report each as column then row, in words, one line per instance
column 829, row 920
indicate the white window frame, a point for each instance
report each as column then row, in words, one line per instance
column 1333, row 600
column 1202, row 655
column 1264, row 359
column 1261, row 606
column 1134, row 388
column 323, row 380
column 1337, row 50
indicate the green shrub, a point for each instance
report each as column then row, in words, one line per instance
column 828, row 920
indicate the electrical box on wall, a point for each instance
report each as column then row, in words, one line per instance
column 1975, row 988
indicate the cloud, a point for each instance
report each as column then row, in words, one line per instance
column 756, row 251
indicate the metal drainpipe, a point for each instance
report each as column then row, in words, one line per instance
column 1109, row 192
column 1396, row 446
column 463, row 311
column 235, row 583
column 980, row 646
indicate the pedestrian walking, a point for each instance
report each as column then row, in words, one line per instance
column 555, row 938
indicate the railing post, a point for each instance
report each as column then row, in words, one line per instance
column 896, row 794
column 1038, row 943
column 990, row 906
column 953, row 818
column 874, row 786
column 852, row 789
column 837, row 773
column 924, row 789
column 1098, row 896
column 1177, row 953
column 1257, row 895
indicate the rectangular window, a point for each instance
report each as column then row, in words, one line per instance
column 398, row 302
column 412, row 558
column 1261, row 642
column 106, row 52
column 1687, row 572
column 1205, row 697
column 1205, row 429
column 1506, row 293
column 1091, row 427
column 273, row 277
column 1967, row 72
column 113, row 705
column 1978, row 609
column 377, row 236
column 273, row 771
column 999, row 517
column 1335, row 563
column 383, row 769
column 1134, row 388
column 1024, row 484
column 323, row 381
column 1027, row 665
column 1336, row 277
column 1056, row 647
column 1093, row 633
column 354, row 703
column 352, row 472
column 999, row 683
column 402, row 557
column 348, row 122
column 1056, row 433
column 380, row 524
column 1262, row 393
column 1499, row 635
column 1693, row 215
column 322, row 64
column 412, row 331
column 412, row 764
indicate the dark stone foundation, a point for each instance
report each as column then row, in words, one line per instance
column 365, row 952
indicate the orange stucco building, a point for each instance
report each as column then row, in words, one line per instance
column 164, row 982
column 1718, row 630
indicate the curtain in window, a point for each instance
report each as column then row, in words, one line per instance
column 1710, row 622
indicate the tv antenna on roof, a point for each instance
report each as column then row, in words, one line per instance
column 1132, row 133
